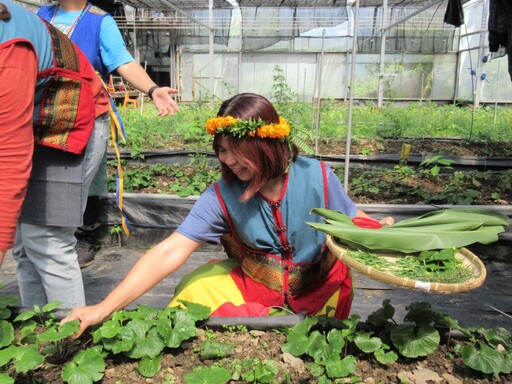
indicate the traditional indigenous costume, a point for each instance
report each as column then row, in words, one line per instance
column 71, row 123
column 276, row 261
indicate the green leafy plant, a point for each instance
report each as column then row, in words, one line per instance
column 39, row 338
column 329, row 348
column 435, row 164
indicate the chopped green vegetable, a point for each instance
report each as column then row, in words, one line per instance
column 429, row 266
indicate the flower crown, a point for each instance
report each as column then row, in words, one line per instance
column 252, row 128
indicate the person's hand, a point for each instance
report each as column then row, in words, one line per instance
column 165, row 104
column 2, row 256
column 88, row 316
column 386, row 221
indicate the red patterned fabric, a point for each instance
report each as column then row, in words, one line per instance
column 309, row 301
column 67, row 111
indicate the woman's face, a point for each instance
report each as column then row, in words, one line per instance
column 232, row 161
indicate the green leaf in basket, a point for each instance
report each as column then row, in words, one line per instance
column 442, row 229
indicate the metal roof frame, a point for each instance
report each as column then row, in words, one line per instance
column 187, row 5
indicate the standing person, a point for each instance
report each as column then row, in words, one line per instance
column 98, row 36
column 18, row 74
column 258, row 211
column 51, row 94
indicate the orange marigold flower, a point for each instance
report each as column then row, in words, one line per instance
column 274, row 131
column 270, row 131
column 219, row 122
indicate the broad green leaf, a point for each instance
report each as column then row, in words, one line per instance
column 60, row 332
column 24, row 316
column 48, row 307
column 26, row 332
column 87, row 367
column 164, row 327
column 266, row 371
column 5, row 313
column 149, row 367
column 140, row 327
column 318, row 348
column 107, row 330
column 497, row 336
column 315, row 369
column 384, row 357
column 435, row 230
column 366, row 343
column 507, row 362
column 150, row 345
column 332, row 214
column 336, row 340
column 413, row 341
column 26, row 358
column 297, row 341
column 6, row 355
column 208, row 375
column 6, row 379
column 198, row 312
column 445, row 216
column 8, row 301
column 122, row 342
column 6, row 333
column 486, row 360
column 184, row 329
column 146, row 312
column 341, row 368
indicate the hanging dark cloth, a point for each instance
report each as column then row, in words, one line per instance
column 454, row 14
column 500, row 29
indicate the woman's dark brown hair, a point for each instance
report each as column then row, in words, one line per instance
column 4, row 12
column 266, row 158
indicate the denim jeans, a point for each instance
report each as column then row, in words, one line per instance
column 46, row 261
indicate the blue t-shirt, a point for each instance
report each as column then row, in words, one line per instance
column 112, row 47
column 206, row 221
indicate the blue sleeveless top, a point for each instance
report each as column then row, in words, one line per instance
column 272, row 227
column 86, row 34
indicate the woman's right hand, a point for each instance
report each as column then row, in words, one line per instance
column 88, row 316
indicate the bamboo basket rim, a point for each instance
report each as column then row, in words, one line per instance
column 469, row 258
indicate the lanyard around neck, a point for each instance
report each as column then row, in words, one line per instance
column 73, row 26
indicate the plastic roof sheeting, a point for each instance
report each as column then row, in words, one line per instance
column 198, row 4
column 262, row 27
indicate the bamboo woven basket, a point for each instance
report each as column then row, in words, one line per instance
column 470, row 260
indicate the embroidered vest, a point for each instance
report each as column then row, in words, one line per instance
column 271, row 240
column 64, row 100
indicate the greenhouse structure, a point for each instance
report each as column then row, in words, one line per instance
column 394, row 127
column 390, row 49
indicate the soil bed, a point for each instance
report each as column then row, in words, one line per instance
column 438, row 367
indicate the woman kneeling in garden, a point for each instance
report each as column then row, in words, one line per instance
column 277, row 263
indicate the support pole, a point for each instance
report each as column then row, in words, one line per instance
column 318, row 88
column 480, row 73
column 211, row 51
column 384, row 33
column 351, row 97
